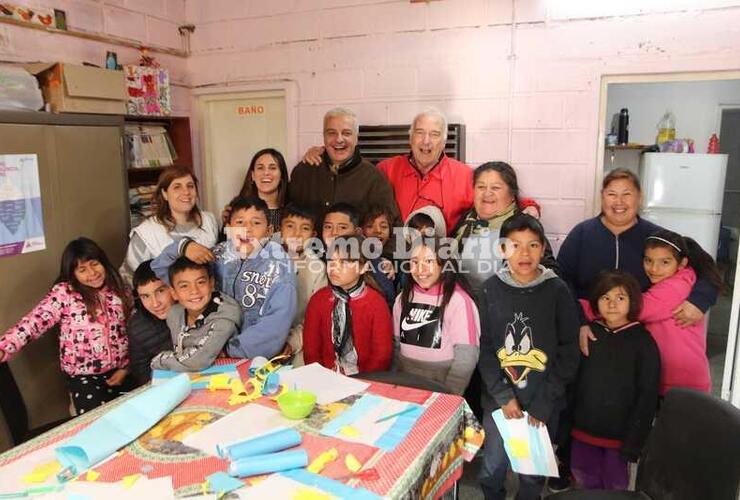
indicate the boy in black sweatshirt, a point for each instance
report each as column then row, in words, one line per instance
column 529, row 348
column 147, row 329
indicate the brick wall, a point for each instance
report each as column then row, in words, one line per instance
column 524, row 78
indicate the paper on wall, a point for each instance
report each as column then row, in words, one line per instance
column 329, row 386
column 21, row 216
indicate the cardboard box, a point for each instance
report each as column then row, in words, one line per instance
column 69, row 88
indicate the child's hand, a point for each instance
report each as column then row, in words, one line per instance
column 387, row 267
column 198, row 253
column 117, row 377
column 534, row 422
column 3, row 356
column 585, row 336
column 512, row 409
column 313, row 155
column 687, row 314
column 287, row 350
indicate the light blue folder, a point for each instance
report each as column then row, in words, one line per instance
column 123, row 424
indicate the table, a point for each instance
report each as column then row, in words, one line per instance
column 426, row 463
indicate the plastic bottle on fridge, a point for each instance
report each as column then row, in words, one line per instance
column 666, row 128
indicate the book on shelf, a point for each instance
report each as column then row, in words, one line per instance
column 148, row 146
column 141, row 203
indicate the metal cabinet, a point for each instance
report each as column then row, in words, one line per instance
column 84, row 193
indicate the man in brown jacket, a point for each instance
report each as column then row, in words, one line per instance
column 343, row 176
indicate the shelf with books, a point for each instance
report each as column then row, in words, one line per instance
column 152, row 143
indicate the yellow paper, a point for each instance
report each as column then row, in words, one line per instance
column 519, row 448
column 92, row 475
column 41, row 473
column 353, row 465
column 349, row 431
column 323, row 460
column 236, row 399
column 239, row 394
column 237, row 386
column 220, row 381
column 310, row 494
column 128, row 481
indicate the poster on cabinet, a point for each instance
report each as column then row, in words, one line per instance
column 21, row 217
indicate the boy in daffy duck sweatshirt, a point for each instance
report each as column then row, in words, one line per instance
column 529, row 349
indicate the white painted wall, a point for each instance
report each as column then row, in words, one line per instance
column 694, row 104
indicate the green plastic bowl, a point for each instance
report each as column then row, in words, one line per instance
column 297, row 404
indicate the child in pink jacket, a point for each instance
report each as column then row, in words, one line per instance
column 91, row 305
column 672, row 264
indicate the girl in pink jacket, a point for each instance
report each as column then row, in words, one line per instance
column 91, row 305
column 672, row 264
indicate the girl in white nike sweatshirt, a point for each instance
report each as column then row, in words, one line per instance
column 435, row 320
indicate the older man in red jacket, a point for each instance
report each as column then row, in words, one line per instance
column 425, row 176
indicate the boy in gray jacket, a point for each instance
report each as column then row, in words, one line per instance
column 254, row 271
column 201, row 323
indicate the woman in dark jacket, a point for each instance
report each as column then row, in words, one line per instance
column 495, row 199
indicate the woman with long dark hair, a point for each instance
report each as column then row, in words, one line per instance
column 266, row 178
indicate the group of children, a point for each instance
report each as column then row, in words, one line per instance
column 259, row 295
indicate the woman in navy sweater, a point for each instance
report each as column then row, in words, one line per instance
column 615, row 239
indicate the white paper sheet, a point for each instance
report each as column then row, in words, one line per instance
column 155, row 489
column 11, row 475
column 278, row 486
column 143, row 488
column 248, row 421
column 329, row 386
column 529, row 448
column 11, row 480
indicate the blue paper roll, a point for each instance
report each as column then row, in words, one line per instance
column 269, row 443
column 267, row 464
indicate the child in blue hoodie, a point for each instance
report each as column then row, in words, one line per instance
column 253, row 270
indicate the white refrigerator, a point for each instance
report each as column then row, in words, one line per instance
column 683, row 193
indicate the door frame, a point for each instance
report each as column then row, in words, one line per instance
column 731, row 374
column 606, row 80
column 286, row 89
